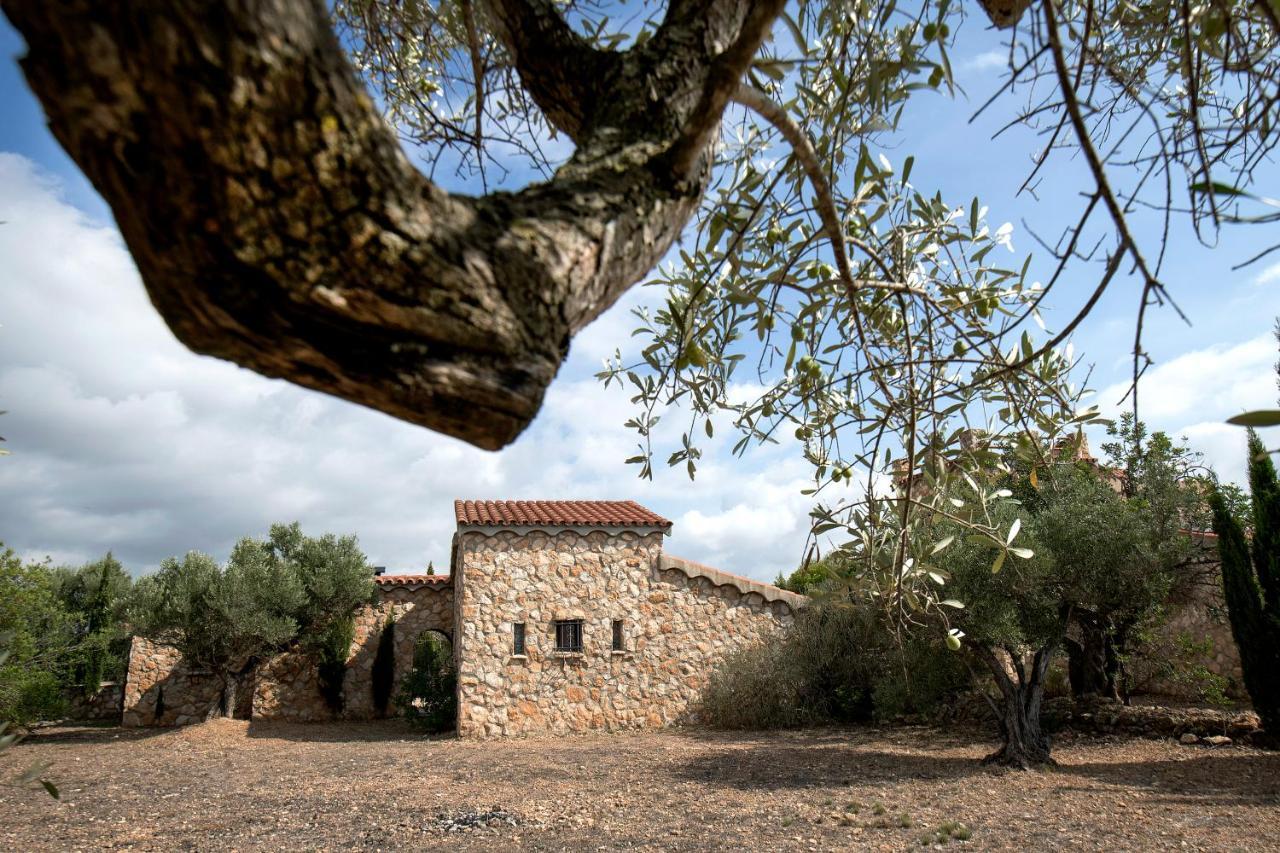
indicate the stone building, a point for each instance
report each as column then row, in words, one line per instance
column 570, row 617
column 563, row 615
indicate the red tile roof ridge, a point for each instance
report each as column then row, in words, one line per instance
column 559, row 513
column 744, row 585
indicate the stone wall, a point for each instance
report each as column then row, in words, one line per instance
column 286, row 687
column 105, row 704
column 678, row 620
column 160, row 690
column 1198, row 614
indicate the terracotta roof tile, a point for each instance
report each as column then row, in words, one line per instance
column 559, row 513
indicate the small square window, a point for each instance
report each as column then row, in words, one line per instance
column 617, row 635
column 517, row 638
column 568, row 635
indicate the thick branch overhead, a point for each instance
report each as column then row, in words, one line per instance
column 277, row 223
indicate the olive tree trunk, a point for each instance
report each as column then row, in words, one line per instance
column 1096, row 661
column 1024, row 743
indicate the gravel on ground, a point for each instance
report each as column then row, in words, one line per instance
column 235, row 785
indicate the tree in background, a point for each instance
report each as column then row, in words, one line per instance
column 1163, row 484
column 273, row 592
column 1085, row 550
column 812, row 574
column 428, row 694
column 1251, row 584
column 336, row 580
column 94, row 595
column 219, row 619
column 41, row 642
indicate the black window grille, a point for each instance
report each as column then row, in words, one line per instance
column 568, row 635
column 517, row 638
column 617, row 635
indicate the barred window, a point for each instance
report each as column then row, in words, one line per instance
column 517, row 638
column 617, row 635
column 568, row 635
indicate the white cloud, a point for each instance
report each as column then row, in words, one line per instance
column 986, row 61
column 1220, row 379
column 1270, row 275
column 1193, row 395
column 124, row 440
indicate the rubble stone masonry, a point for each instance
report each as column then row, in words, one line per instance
column 286, row 687
column 678, row 619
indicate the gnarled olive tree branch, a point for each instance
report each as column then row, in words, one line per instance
column 277, row 223
column 559, row 69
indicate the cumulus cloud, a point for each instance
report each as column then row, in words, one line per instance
column 1193, row 395
column 122, row 439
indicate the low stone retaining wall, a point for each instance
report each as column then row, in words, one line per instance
column 161, row 691
column 102, row 705
column 1098, row 716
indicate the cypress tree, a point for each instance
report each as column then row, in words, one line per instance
column 384, row 668
column 1251, row 584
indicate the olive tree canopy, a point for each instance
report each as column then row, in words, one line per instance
column 277, row 222
column 251, row 153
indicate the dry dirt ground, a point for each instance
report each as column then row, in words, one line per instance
column 231, row 785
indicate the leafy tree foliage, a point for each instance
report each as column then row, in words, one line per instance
column 220, row 619
column 1088, row 551
column 813, row 574
column 335, row 579
column 1251, row 583
column 63, row 632
column 94, row 595
column 1163, row 484
column 271, row 592
column 751, row 129
column 428, row 694
column 41, row 638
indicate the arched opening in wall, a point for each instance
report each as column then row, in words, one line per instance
column 428, row 692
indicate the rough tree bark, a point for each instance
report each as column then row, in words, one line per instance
column 1096, row 660
column 277, row 223
column 1024, row 742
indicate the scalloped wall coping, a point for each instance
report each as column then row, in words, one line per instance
column 768, row 592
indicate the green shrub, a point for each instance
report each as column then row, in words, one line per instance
column 28, row 695
column 755, row 689
column 427, row 696
column 917, row 678
column 836, row 664
column 383, row 676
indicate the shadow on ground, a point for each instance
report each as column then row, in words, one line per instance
column 847, row 757
column 342, row 732
column 90, row 733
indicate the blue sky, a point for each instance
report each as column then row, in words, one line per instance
column 123, row 440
